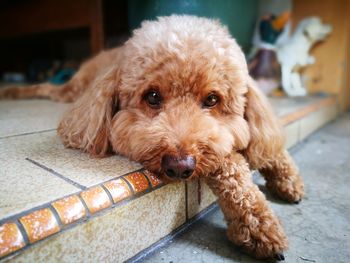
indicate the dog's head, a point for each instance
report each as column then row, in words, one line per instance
column 314, row 29
column 180, row 102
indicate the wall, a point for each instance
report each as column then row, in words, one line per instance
column 238, row 15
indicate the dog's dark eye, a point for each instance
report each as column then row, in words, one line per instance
column 211, row 101
column 153, row 99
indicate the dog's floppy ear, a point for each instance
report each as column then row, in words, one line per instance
column 86, row 125
column 265, row 131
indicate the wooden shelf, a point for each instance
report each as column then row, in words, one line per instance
column 22, row 18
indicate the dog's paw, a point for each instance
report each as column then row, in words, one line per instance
column 290, row 188
column 264, row 242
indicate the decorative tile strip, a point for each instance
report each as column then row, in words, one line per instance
column 138, row 181
column 11, row 239
column 39, row 224
column 155, row 180
column 69, row 209
column 118, row 189
column 42, row 222
column 96, row 199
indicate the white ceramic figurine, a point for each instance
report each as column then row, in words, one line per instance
column 294, row 54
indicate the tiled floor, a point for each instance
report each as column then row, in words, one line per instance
column 45, row 188
column 47, row 149
column 40, row 115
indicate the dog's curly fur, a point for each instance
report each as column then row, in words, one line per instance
column 184, row 59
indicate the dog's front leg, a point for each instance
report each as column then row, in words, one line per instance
column 283, row 179
column 251, row 223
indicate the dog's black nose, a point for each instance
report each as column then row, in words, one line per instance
column 180, row 167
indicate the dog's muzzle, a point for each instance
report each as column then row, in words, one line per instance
column 178, row 167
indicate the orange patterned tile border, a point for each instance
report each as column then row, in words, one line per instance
column 155, row 180
column 138, row 181
column 69, row 209
column 39, row 224
column 96, row 199
column 296, row 115
column 53, row 217
column 118, row 189
column 11, row 239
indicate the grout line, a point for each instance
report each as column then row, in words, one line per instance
column 108, row 193
column 186, row 200
column 26, row 133
column 143, row 254
column 88, row 214
column 299, row 131
column 199, row 191
column 81, row 187
column 23, row 232
column 56, row 216
column 150, row 186
column 129, row 185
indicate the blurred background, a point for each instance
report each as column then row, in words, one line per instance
column 47, row 40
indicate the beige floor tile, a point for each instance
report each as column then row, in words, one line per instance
column 291, row 132
column 76, row 165
column 118, row 234
column 27, row 116
column 317, row 119
column 199, row 197
column 24, row 185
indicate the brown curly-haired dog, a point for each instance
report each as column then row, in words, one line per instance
column 177, row 97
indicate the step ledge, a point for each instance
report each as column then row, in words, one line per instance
column 308, row 109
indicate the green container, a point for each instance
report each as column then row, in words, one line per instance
column 238, row 15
